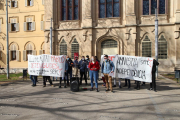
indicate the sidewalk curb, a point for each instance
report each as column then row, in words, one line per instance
column 5, row 84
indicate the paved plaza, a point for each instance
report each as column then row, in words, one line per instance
column 20, row 101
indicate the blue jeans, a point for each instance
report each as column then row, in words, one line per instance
column 54, row 77
column 69, row 73
column 33, row 79
column 93, row 77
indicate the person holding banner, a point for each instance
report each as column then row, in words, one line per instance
column 45, row 78
column 83, row 69
column 94, row 68
column 64, row 78
column 70, row 65
column 107, row 68
column 33, row 79
column 153, row 84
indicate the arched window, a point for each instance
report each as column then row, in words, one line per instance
column 69, row 9
column 42, row 51
column 109, row 8
column 74, row 48
column 109, row 47
column 150, row 5
column 14, row 54
column 63, row 48
column 29, row 50
column 146, row 47
column 162, row 48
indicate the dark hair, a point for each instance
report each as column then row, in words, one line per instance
column 105, row 55
column 82, row 56
column 87, row 55
column 148, row 56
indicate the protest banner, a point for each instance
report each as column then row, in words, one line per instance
column 133, row 68
column 46, row 65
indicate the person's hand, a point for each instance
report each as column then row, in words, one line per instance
column 65, row 71
column 112, row 71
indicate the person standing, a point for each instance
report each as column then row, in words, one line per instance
column 69, row 72
column 87, row 60
column 93, row 67
column 65, row 76
column 107, row 68
column 137, row 85
column 115, row 82
column 153, row 84
column 129, row 83
column 83, row 69
column 76, row 66
column 45, row 78
column 99, row 66
column 33, row 79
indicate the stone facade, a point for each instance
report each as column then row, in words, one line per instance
column 129, row 30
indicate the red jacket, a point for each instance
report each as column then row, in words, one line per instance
column 95, row 65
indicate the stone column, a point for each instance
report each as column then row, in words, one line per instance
column 178, row 11
column 86, row 13
column 130, row 12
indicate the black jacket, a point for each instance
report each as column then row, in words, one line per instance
column 70, row 62
column 155, row 63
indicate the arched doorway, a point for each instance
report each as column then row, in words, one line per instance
column 109, row 47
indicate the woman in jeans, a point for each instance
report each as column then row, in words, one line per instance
column 94, row 68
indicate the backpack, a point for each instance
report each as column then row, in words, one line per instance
column 108, row 61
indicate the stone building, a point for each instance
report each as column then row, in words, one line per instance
column 96, row 27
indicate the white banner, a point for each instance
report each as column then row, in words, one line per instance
column 46, row 65
column 133, row 68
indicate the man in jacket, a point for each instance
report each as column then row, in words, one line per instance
column 153, row 84
column 83, row 68
column 69, row 72
column 107, row 67
column 87, row 60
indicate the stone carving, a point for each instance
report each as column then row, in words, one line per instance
column 128, row 34
column 85, row 35
column 109, row 22
column 142, row 34
column 3, row 36
column 69, row 25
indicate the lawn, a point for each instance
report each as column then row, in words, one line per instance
column 170, row 76
column 13, row 77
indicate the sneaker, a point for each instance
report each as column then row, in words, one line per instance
column 114, row 86
column 125, row 86
column 97, row 90
column 112, row 91
column 59, row 86
column 65, row 87
column 120, row 87
column 56, row 79
column 150, row 89
column 44, row 85
column 107, row 90
column 91, row 89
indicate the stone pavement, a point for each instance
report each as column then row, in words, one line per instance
column 20, row 101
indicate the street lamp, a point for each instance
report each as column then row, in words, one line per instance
column 7, row 39
column 156, row 39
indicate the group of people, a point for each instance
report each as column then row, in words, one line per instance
column 90, row 68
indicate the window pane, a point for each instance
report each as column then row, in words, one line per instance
column 63, row 13
column 109, row 10
column 153, row 6
column 162, row 48
column 109, row 1
column 69, row 2
column 162, row 6
column 116, row 10
column 109, row 44
column 63, row 48
column 116, row 0
column 64, row 3
column 146, row 49
column 101, row 1
column 76, row 13
column 70, row 13
column 102, row 11
column 145, row 7
column 74, row 48
column 76, row 2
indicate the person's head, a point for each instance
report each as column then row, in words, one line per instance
column 67, row 57
column 76, row 57
column 83, row 58
column 106, row 57
column 96, row 57
column 93, row 58
column 87, row 56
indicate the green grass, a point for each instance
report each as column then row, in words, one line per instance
column 170, row 76
column 12, row 76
